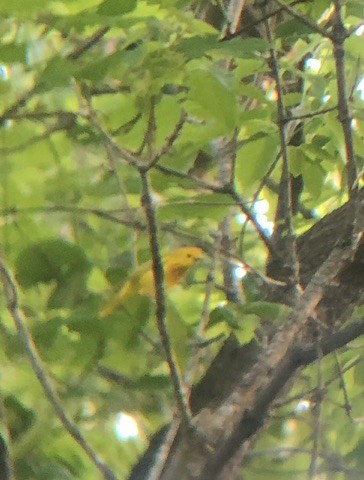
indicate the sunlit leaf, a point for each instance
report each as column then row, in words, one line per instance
column 254, row 158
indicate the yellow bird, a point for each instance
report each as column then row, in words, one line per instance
column 141, row 282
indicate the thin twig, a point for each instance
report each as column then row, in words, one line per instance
column 338, row 37
column 284, row 208
column 161, row 310
column 104, row 214
column 310, row 392
column 149, row 136
column 74, row 55
column 123, row 153
column 261, row 233
column 340, row 371
column 88, row 43
column 204, row 318
column 311, row 114
column 333, row 461
column 11, row 296
column 305, row 20
column 170, row 140
column 64, row 123
column 224, row 189
column 61, row 115
column 20, row 102
column 260, row 20
column 317, row 415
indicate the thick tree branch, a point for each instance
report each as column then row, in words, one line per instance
column 297, row 356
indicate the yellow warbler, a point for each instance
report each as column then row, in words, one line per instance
column 141, row 282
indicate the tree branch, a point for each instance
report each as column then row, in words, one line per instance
column 305, row 20
column 253, row 419
column 283, row 228
column 161, row 310
column 338, row 37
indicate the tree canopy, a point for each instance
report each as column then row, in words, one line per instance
column 130, row 129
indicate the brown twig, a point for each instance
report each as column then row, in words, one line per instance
column 74, row 55
column 249, row 26
column 338, row 37
column 170, row 140
column 247, row 212
column 311, row 114
column 161, row 310
column 105, row 214
column 204, row 318
column 340, row 371
column 88, row 43
column 64, row 123
column 311, row 391
column 20, row 102
column 123, row 153
column 305, row 20
column 317, row 415
column 284, row 208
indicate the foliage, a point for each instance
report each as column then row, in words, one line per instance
column 89, row 92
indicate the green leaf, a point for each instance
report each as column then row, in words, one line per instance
column 249, row 67
column 197, row 46
column 120, row 268
column 45, row 333
column 251, row 91
column 244, row 48
column 223, row 314
column 152, row 382
column 267, row 310
column 17, row 7
column 297, row 160
column 246, row 332
column 313, row 178
column 244, row 324
column 318, row 7
column 58, row 73
column 202, row 206
column 116, row 7
column 359, row 373
column 254, row 158
column 356, row 456
column 51, row 259
column 12, row 53
column 115, row 63
column 215, row 100
column 19, row 416
column 354, row 45
column 292, row 28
